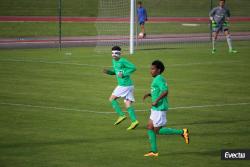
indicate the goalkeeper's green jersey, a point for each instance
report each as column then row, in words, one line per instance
column 158, row 86
column 126, row 68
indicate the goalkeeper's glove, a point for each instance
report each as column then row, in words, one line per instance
column 226, row 23
column 214, row 24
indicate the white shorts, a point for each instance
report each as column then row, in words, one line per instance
column 127, row 92
column 159, row 118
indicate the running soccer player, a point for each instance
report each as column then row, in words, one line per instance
column 142, row 17
column 122, row 68
column 158, row 119
column 219, row 17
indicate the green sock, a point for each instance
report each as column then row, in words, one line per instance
column 152, row 140
column 117, row 108
column 170, row 131
column 213, row 43
column 131, row 113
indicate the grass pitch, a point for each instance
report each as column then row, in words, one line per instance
column 159, row 8
column 54, row 108
column 38, row 30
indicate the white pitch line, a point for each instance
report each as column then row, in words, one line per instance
column 106, row 112
column 207, row 63
column 207, row 106
column 56, row 108
column 89, row 65
column 46, row 62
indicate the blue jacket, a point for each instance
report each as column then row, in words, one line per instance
column 142, row 14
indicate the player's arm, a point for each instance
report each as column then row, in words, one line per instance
column 162, row 95
column 109, row 71
column 146, row 15
column 211, row 17
column 228, row 15
column 164, row 89
column 146, row 96
column 211, row 14
column 130, row 68
column 137, row 12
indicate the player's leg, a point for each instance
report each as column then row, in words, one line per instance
column 131, row 112
column 152, row 140
column 214, row 38
column 157, row 121
column 129, row 99
column 229, row 41
column 113, row 99
column 142, row 24
column 142, row 28
column 172, row 131
column 161, row 120
column 216, row 28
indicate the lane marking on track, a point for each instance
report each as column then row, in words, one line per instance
column 190, row 25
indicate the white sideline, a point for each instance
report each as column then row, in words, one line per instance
column 107, row 112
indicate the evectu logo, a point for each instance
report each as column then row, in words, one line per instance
column 235, row 154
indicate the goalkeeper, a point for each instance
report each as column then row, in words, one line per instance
column 142, row 17
column 219, row 17
column 122, row 69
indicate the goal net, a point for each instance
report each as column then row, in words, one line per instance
column 112, row 24
column 170, row 23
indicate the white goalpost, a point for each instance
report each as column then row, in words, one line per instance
column 115, row 25
column 132, row 30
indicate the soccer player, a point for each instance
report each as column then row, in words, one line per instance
column 122, row 69
column 157, row 120
column 219, row 17
column 142, row 17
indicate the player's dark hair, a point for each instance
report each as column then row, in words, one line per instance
column 116, row 48
column 139, row 2
column 159, row 65
column 223, row 0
